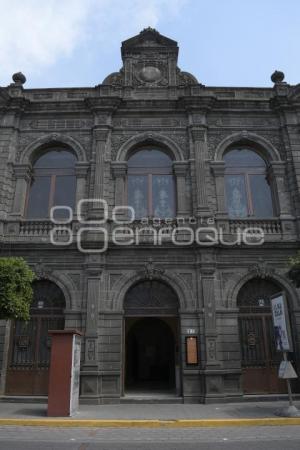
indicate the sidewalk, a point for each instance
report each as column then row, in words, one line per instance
column 152, row 415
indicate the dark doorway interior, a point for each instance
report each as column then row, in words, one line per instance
column 150, row 355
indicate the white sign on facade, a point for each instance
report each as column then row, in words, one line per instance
column 75, row 377
column 286, row 370
column 281, row 324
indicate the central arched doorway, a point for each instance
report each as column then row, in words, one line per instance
column 151, row 350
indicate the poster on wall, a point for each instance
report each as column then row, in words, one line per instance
column 281, row 323
column 75, row 377
column 191, row 344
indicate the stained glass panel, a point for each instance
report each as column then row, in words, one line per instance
column 163, row 196
column 236, row 196
column 137, row 195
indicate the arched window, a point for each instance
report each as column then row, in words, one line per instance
column 248, row 190
column 150, row 186
column 53, row 183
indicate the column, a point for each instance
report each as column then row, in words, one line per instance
column 180, row 171
column 81, row 171
column 22, row 173
column 207, row 276
column 288, row 223
column 100, row 141
column 218, row 169
column 119, row 171
column 278, row 173
column 200, row 146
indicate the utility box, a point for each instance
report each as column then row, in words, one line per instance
column 64, row 373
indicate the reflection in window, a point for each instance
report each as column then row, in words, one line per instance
column 248, row 190
column 150, row 185
column 53, row 184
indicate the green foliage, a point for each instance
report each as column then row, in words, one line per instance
column 294, row 261
column 16, row 292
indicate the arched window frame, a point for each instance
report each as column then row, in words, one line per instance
column 246, row 172
column 23, row 172
column 149, row 172
column 52, row 174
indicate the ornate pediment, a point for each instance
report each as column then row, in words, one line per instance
column 148, row 38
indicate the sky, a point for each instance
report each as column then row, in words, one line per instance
column 66, row 43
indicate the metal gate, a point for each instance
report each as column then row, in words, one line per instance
column 260, row 360
column 30, row 344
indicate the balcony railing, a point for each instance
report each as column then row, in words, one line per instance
column 269, row 226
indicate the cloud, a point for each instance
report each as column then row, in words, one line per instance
column 35, row 35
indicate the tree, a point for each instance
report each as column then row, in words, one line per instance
column 16, row 292
column 294, row 271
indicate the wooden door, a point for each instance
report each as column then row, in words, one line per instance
column 260, row 361
column 30, row 344
column 27, row 373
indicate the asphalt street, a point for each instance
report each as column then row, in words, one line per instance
column 245, row 438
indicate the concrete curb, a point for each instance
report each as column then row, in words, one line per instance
column 149, row 423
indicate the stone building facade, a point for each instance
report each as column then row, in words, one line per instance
column 188, row 318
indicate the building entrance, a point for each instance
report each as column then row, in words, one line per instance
column 151, row 336
column 150, row 355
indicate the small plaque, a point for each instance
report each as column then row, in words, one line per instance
column 191, row 345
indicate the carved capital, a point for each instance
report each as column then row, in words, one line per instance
column 180, row 168
column 81, row 169
column 22, row 171
column 198, row 134
column 100, row 134
column 119, row 169
column 278, row 168
column 218, row 168
column 207, row 272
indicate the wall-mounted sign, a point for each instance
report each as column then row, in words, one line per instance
column 281, row 323
column 190, row 331
column 191, row 347
column 286, row 370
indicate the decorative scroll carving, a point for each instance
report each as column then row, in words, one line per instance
column 261, row 269
column 150, row 271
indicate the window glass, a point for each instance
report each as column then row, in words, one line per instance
column 243, row 158
column 163, row 196
column 261, row 196
column 39, row 197
column 150, row 158
column 53, row 184
column 150, row 185
column 137, row 195
column 248, row 192
column 56, row 159
column 64, row 195
column 236, row 196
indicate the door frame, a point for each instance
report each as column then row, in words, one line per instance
column 177, row 356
